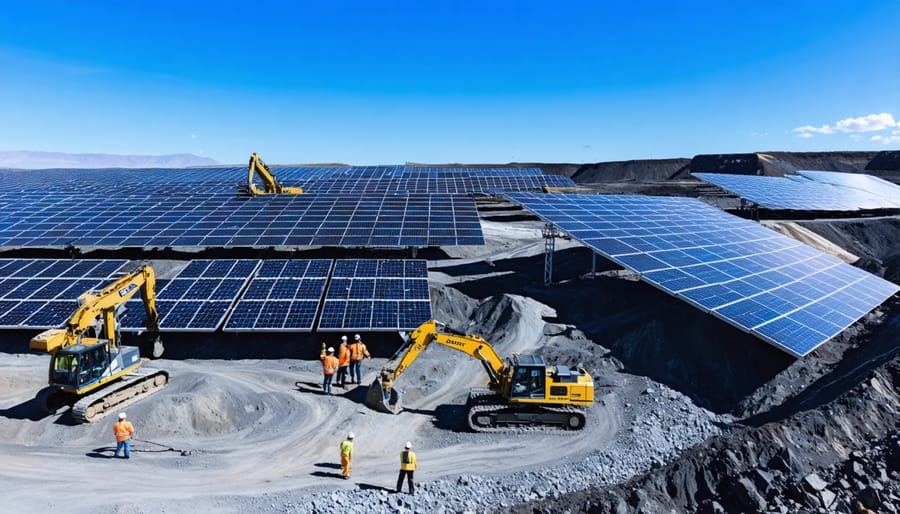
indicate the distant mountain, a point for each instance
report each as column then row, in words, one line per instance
column 24, row 159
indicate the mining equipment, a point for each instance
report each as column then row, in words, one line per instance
column 522, row 391
column 88, row 366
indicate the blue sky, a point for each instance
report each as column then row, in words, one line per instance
column 449, row 81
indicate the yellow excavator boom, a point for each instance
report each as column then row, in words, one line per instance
column 271, row 185
column 100, row 309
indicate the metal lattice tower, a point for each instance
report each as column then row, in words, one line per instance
column 549, row 232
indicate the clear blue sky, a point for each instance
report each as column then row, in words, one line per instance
column 449, row 81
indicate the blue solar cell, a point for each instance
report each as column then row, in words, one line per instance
column 52, row 314
column 302, row 315
column 194, row 269
column 411, row 314
column 358, row 314
column 180, row 315
column 271, row 268
column 362, row 289
column 243, row 316
column 18, row 314
column 385, row 315
column 273, row 315
column 176, row 289
column 332, row 314
column 389, row 289
column 415, row 289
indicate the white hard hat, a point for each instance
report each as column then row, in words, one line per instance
column 121, row 415
column 343, row 338
column 356, row 337
column 408, row 445
column 350, row 435
column 330, row 349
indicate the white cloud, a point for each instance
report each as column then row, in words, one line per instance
column 886, row 140
column 856, row 137
column 868, row 123
column 758, row 134
column 193, row 136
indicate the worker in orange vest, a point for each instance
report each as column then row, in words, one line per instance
column 329, row 366
column 343, row 362
column 124, row 431
column 357, row 352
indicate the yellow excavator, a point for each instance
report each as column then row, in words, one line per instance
column 87, row 363
column 522, row 391
column 271, row 185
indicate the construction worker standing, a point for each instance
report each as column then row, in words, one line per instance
column 357, row 352
column 124, row 431
column 346, row 454
column 343, row 362
column 329, row 366
column 407, row 467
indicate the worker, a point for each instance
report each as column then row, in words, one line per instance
column 357, row 352
column 346, row 455
column 329, row 366
column 124, row 431
column 407, row 467
column 343, row 362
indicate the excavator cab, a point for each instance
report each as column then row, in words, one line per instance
column 528, row 379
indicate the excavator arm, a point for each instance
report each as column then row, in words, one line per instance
column 271, row 185
column 382, row 395
column 100, row 309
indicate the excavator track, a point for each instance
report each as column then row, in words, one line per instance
column 490, row 413
column 129, row 389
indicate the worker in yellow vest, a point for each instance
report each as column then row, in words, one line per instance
column 407, row 467
column 346, row 455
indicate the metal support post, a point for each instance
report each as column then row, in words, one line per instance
column 549, row 233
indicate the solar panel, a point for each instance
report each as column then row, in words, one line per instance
column 797, row 193
column 283, row 296
column 223, row 220
column 376, row 294
column 871, row 184
column 42, row 293
column 774, row 287
column 197, row 299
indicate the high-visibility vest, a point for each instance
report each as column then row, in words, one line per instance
column 123, row 430
column 357, row 351
column 347, row 447
column 343, row 355
column 407, row 461
column 329, row 364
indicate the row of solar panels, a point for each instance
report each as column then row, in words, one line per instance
column 811, row 190
column 380, row 179
column 754, row 278
column 56, row 220
column 242, row 295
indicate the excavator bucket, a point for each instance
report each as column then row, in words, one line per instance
column 381, row 400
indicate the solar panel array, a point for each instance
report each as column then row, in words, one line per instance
column 197, row 299
column 284, row 296
column 43, row 293
column 146, row 221
column 370, row 294
column 798, row 193
column 871, row 184
column 324, row 179
column 772, row 286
